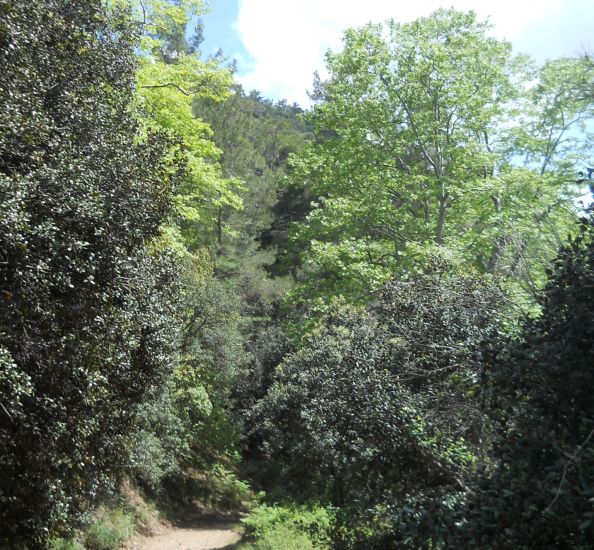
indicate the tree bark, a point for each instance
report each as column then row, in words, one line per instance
column 441, row 217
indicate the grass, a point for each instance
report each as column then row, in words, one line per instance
column 279, row 537
column 111, row 529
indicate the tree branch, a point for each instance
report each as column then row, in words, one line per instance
column 168, row 85
column 413, row 126
column 144, row 22
column 6, row 411
column 548, row 509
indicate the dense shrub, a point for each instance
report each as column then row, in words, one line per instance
column 378, row 412
column 279, row 536
column 308, row 524
column 540, row 493
column 375, row 400
column 86, row 316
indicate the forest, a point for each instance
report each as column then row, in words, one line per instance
column 364, row 324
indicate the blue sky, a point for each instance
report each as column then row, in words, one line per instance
column 221, row 33
column 279, row 44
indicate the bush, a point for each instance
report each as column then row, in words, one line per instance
column 110, row 530
column 227, row 491
column 87, row 313
column 310, row 522
column 340, row 423
column 540, row 494
column 280, row 537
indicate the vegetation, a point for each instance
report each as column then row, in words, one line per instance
column 87, row 306
column 377, row 313
column 418, row 141
column 288, row 526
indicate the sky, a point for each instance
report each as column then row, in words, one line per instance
column 278, row 44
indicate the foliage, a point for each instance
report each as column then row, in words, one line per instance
column 380, row 411
column 419, row 520
column 205, row 485
column 415, row 153
column 227, row 491
column 187, row 422
column 369, row 403
column 170, row 78
column 87, row 312
column 279, row 536
column 212, row 359
column 256, row 138
column 540, row 493
column 63, row 544
column 553, row 112
column 110, row 530
column 437, row 322
column 154, row 216
column 308, row 524
column 159, row 441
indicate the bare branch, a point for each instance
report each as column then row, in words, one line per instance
column 572, row 459
column 6, row 411
column 145, row 23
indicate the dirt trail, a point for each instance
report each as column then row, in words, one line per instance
column 208, row 537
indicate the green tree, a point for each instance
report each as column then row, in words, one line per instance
column 87, row 326
column 188, row 421
column 337, row 421
column 171, row 76
column 553, row 116
column 539, row 493
column 413, row 155
column 256, row 137
column 379, row 412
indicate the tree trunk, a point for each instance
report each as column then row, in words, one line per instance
column 220, row 229
column 498, row 250
column 441, row 217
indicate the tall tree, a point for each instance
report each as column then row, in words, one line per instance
column 171, row 76
column 86, row 316
column 256, row 137
column 413, row 155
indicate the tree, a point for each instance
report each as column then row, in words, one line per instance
column 256, row 138
column 379, row 412
column 87, row 302
column 539, row 492
column 337, row 422
column 412, row 155
column 553, row 115
column 170, row 78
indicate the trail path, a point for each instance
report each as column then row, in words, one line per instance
column 213, row 536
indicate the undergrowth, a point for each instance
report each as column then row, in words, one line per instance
column 290, row 526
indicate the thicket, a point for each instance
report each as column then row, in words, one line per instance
column 359, row 306
column 118, row 343
column 541, row 489
column 87, row 317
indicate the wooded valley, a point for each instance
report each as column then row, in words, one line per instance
column 364, row 324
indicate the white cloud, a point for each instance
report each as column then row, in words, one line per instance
column 287, row 39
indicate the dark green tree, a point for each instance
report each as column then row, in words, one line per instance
column 256, row 137
column 86, row 306
column 378, row 412
column 541, row 490
column 338, row 422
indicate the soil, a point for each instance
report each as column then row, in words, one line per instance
column 210, row 536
